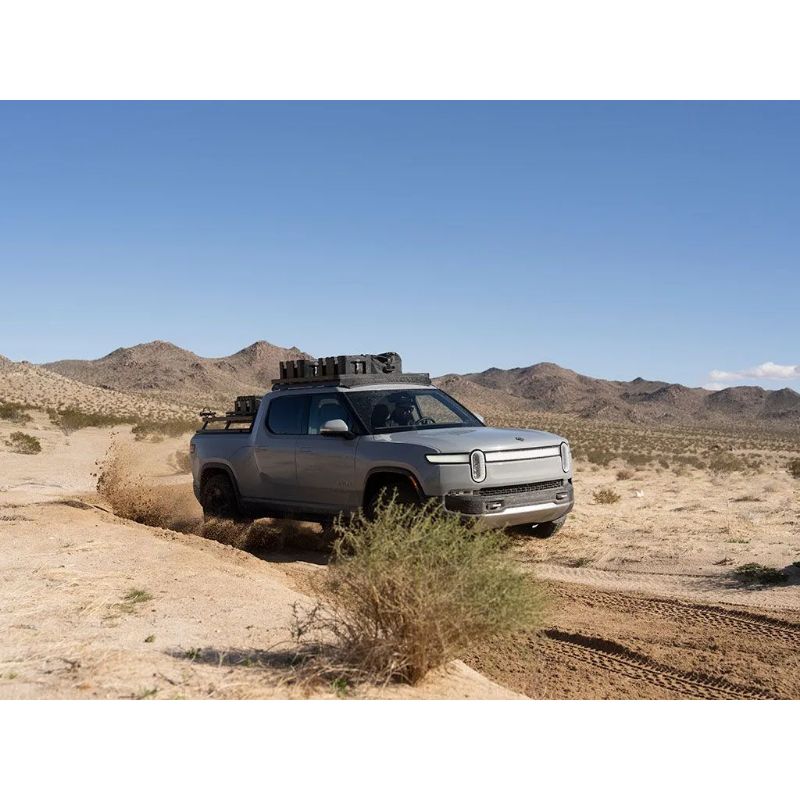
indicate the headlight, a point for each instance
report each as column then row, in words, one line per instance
column 477, row 465
column 448, row 458
column 566, row 457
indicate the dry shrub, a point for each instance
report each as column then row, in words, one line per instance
column 624, row 474
column 70, row 420
column 726, row 462
column 14, row 412
column 157, row 430
column 24, row 444
column 412, row 589
column 794, row 467
column 605, row 496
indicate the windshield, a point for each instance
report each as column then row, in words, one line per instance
column 407, row 409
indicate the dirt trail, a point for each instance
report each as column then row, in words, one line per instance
column 643, row 605
column 610, row 644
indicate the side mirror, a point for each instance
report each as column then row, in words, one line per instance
column 336, row 427
column 480, row 417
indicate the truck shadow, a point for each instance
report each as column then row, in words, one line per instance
column 289, row 555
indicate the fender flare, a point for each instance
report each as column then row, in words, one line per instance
column 402, row 471
column 219, row 466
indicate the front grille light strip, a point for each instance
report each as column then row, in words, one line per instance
column 523, row 455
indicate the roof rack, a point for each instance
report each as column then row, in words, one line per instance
column 240, row 419
column 347, row 371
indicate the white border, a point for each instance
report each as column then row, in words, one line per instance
column 385, row 749
column 418, row 49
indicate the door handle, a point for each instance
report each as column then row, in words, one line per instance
column 304, row 450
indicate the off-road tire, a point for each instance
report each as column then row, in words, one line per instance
column 544, row 530
column 401, row 490
column 219, row 500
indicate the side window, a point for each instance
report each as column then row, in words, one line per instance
column 286, row 415
column 324, row 408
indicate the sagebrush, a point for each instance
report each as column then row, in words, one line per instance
column 24, row 444
column 606, row 496
column 413, row 588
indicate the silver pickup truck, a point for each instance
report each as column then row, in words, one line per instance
column 334, row 435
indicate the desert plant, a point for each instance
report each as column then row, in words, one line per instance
column 24, row 444
column 754, row 573
column 412, row 588
column 624, row 474
column 70, row 420
column 165, row 428
column 605, row 496
column 726, row 462
column 14, row 412
column 794, row 468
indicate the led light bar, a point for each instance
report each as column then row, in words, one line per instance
column 448, row 458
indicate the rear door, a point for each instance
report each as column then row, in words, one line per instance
column 326, row 464
column 286, row 418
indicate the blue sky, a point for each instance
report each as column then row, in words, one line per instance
column 617, row 239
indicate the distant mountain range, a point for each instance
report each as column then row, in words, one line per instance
column 548, row 387
column 163, row 370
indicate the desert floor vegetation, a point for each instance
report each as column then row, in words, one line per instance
column 411, row 589
column 14, row 412
column 606, row 496
column 23, row 443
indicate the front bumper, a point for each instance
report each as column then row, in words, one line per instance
column 513, row 505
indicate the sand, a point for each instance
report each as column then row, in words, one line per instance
column 642, row 600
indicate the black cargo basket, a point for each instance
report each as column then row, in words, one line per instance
column 354, row 370
column 246, row 404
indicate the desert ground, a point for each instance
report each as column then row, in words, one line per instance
column 642, row 597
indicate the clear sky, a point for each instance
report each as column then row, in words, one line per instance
column 617, row 239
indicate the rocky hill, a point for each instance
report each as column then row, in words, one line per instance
column 30, row 385
column 163, row 369
column 548, row 387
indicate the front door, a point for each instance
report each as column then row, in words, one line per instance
column 326, row 464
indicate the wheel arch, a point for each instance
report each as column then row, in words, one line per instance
column 379, row 475
column 218, row 468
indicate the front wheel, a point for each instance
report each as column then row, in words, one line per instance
column 544, row 530
column 400, row 492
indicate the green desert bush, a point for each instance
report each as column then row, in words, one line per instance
column 24, row 444
column 413, row 588
column 14, row 412
column 605, row 496
column 70, row 420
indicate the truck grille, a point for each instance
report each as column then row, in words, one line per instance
column 522, row 488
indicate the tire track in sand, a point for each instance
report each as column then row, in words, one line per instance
column 741, row 621
column 614, row 657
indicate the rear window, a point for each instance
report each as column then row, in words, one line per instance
column 286, row 416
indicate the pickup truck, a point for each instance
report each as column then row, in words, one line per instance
column 327, row 441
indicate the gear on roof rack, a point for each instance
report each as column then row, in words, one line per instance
column 352, row 370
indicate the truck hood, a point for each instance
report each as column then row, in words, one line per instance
column 464, row 440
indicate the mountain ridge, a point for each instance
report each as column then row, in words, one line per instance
column 165, row 370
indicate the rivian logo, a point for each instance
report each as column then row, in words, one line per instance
column 477, row 464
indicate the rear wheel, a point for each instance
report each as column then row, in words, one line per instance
column 544, row 530
column 219, row 499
